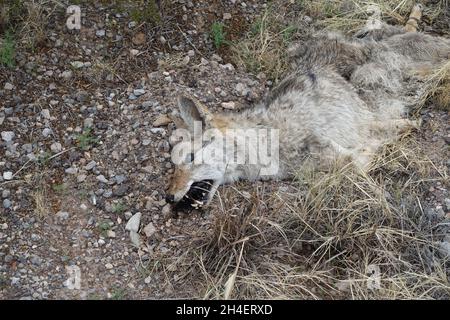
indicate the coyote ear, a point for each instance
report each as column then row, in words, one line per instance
column 192, row 110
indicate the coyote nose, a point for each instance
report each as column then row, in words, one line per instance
column 170, row 198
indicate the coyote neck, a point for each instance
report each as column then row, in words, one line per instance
column 262, row 121
column 257, row 117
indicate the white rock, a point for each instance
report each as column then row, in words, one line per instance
column 134, row 222
column 8, row 135
column 228, row 105
column 8, row 86
column 56, row 147
column 77, row 64
column 134, row 52
column 228, row 67
column 100, row 33
column 158, row 130
column 66, row 74
column 8, row 175
column 62, row 215
column 111, row 234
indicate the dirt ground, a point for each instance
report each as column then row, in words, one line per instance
column 89, row 112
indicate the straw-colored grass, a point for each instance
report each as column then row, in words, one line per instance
column 437, row 87
column 340, row 234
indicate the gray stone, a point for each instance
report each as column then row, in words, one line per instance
column 71, row 170
column 138, row 92
column 134, row 222
column 36, row 260
column 120, row 178
column 27, row 147
column 90, row 165
column 77, row 64
column 149, row 104
column 7, row 203
column 135, row 238
column 62, row 215
column 45, row 113
column 447, row 203
column 444, row 248
column 107, row 193
column 166, row 210
column 88, row 122
column 149, row 230
column 121, row 190
column 46, row 132
column 102, row 178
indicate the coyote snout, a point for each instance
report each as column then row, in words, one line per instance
column 343, row 98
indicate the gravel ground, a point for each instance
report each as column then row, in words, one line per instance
column 85, row 125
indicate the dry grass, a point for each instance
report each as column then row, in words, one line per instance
column 40, row 195
column 437, row 88
column 322, row 236
column 28, row 19
column 264, row 47
column 41, row 208
column 349, row 16
column 172, row 61
column 33, row 24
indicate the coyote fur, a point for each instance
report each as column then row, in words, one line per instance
column 342, row 98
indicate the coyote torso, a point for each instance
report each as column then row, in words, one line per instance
column 342, row 99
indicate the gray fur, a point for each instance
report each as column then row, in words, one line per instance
column 343, row 98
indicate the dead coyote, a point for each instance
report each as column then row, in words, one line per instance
column 342, row 98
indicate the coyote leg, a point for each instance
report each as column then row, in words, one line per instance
column 414, row 18
column 396, row 124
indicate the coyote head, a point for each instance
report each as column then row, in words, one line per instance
column 201, row 161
